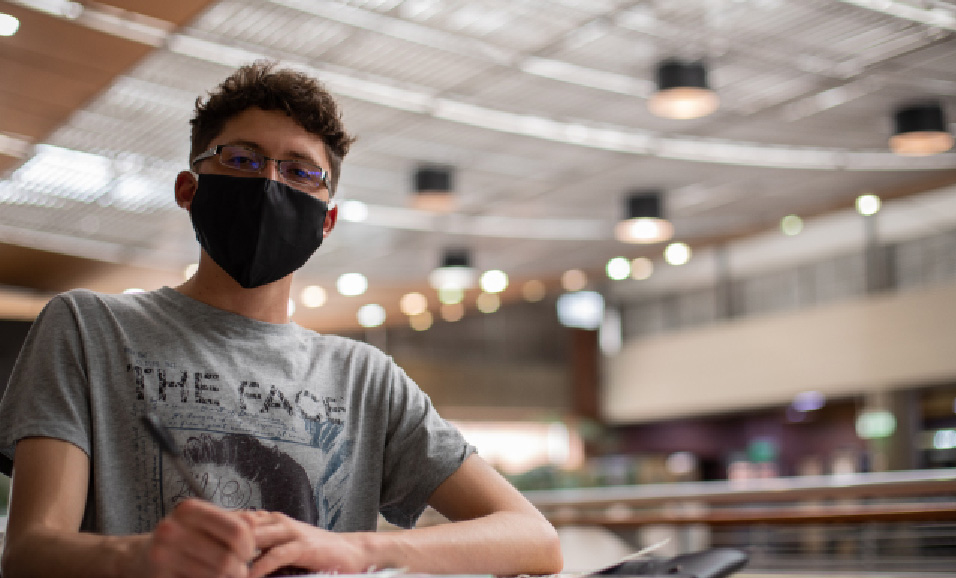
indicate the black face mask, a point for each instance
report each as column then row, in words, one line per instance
column 258, row 230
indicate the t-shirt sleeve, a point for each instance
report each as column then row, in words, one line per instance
column 48, row 393
column 421, row 451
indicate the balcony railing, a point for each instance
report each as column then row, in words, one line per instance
column 893, row 521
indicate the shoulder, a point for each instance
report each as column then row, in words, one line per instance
column 89, row 297
column 71, row 303
column 85, row 300
column 95, row 310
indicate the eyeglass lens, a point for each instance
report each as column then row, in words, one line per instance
column 299, row 172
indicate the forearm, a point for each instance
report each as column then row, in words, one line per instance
column 502, row 543
column 495, row 530
column 43, row 553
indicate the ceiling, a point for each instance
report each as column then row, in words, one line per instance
column 540, row 107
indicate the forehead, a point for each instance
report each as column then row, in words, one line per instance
column 275, row 134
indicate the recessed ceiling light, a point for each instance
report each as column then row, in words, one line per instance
column 488, row 302
column 421, row 322
column 413, row 303
column 352, row 284
column 8, row 24
column 868, row 205
column 618, row 268
column 791, row 225
column 533, row 291
column 313, row 296
column 574, row 280
column 642, row 268
column 493, row 281
column 677, row 254
column 371, row 315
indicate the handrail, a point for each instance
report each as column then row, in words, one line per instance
column 813, row 499
column 881, row 484
column 943, row 512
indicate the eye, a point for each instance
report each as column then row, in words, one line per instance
column 241, row 158
column 303, row 173
column 298, row 172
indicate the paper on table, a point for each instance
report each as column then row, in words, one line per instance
column 393, row 572
column 644, row 552
column 384, row 573
column 387, row 574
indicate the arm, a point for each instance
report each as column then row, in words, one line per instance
column 494, row 530
column 50, row 484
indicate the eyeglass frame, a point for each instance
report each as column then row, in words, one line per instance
column 216, row 151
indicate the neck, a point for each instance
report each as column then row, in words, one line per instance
column 213, row 286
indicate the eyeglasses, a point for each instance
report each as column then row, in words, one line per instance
column 294, row 172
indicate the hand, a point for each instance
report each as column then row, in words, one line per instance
column 198, row 540
column 287, row 543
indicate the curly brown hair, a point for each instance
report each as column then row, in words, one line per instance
column 261, row 85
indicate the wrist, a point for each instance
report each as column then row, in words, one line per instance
column 378, row 550
column 129, row 555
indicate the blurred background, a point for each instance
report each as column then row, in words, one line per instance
column 680, row 269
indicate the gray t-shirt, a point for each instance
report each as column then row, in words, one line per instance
column 268, row 416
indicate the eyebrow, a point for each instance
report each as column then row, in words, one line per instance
column 291, row 155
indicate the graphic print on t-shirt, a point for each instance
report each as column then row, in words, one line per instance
column 249, row 445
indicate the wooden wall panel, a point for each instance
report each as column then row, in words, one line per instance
column 51, row 67
column 68, row 42
column 7, row 163
column 45, row 271
column 175, row 11
column 50, row 83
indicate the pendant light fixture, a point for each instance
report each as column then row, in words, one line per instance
column 455, row 272
column 682, row 91
column 433, row 189
column 644, row 221
column 920, row 130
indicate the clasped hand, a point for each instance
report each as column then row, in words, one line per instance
column 201, row 540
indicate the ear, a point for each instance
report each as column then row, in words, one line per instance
column 186, row 185
column 330, row 218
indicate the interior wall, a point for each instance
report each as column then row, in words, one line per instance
column 716, row 440
column 514, row 363
column 466, row 389
column 12, row 334
column 880, row 342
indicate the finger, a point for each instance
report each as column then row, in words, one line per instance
column 228, row 528
column 259, row 517
column 269, row 528
column 212, row 557
column 182, row 551
column 252, row 517
column 273, row 559
column 190, row 567
column 271, row 535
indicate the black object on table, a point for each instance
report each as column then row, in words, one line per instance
column 712, row 563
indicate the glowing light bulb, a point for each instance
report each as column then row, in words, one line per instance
column 677, row 253
column 618, row 268
column 313, row 296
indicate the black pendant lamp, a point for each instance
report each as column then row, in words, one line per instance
column 920, row 130
column 433, row 189
column 682, row 91
column 455, row 271
column 644, row 221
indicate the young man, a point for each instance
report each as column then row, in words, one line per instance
column 297, row 440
